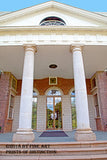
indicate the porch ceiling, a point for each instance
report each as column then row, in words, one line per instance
column 12, row 58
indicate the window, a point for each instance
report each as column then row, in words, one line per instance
column 11, row 107
column 73, row 110
column 54, row 92
column 96, row 105
column 52, row 21
column 93, row 82
column 13, row 83
column 34, row 111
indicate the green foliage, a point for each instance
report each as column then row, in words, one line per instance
column 74, row 119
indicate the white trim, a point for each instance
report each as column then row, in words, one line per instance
column 53, row 4
column 72, row 89
column 63, row 37
column 54, row 28
column 34, row 89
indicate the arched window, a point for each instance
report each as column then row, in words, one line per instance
column 56, row 21
column 73, row 109
column 34, row 110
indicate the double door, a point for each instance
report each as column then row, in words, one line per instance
column 54, row 113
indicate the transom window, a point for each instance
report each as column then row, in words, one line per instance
column 50, row 21
column 54, row 92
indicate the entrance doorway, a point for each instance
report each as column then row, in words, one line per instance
column 54, row 111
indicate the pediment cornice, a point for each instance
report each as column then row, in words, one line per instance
column 53, row 5
column 54, row 28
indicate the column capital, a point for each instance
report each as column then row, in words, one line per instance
column 76, row 47
column 30, row 47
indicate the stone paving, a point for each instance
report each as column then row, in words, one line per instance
column 100, row 136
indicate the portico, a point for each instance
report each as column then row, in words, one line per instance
column 24, row 133
column 74, row 41
column 25, row 129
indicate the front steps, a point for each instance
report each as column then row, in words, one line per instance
column 96, row 150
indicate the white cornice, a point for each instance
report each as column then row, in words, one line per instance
column 85, row 13
column 54, row 28
column 53, row 4
column 25, row 11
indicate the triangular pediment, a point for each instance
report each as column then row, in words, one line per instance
column 72, row 16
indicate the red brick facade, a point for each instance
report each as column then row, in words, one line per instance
column 102, row 91
column 42, row 85
column 5, row 124
column 64, row 84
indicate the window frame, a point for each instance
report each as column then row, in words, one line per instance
column 51, row 20
column 11, row 106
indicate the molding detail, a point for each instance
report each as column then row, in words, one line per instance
column 56, row 37
column 30, row 47
column 77, row 47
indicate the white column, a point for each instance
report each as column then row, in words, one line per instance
column 83, row 127
column 24, row 133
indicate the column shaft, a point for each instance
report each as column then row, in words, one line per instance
column 80, row 90
column 25, row 118
column 83, row 127
column 24, row 132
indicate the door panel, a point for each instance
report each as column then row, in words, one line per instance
column 54, row 113
column 50, row 113
column 58, row 113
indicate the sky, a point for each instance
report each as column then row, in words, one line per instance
column 90, row 5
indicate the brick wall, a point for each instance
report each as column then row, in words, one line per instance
column 64, row 84
column 41, row 85
column 102, row 91
column 4, row 102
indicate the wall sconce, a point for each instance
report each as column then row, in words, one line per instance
column 105, row 71
column 1, row 72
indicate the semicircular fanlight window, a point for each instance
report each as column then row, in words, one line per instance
column 52, row 21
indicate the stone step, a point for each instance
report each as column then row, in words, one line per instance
column 82, row 157
column 54, row 152
column 54, row 145
column 95, row 150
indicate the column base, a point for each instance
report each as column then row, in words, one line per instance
column 24, row 135
column 85, row 135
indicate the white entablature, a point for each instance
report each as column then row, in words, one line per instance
column 52, row 36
